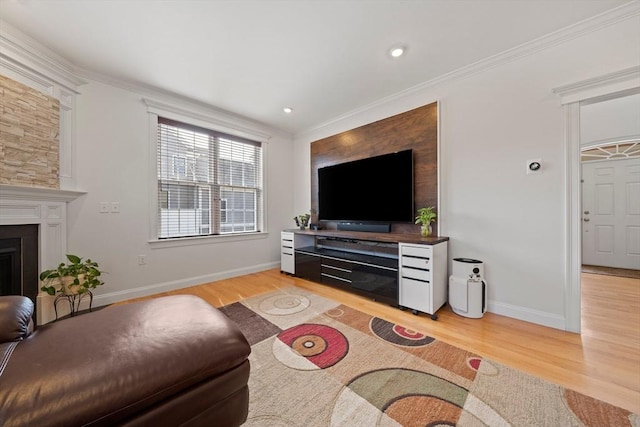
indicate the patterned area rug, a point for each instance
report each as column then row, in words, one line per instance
column 315, row 362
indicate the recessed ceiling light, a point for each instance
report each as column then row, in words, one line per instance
column 287, row 110
column 397, row 51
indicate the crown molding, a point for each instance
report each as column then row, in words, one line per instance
column 605, row 19
column 25, row 55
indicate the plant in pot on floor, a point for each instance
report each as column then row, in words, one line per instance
column 425, row 217
column 72, row 280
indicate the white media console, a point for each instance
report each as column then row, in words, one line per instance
column 403, row 270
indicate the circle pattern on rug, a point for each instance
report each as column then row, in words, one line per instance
column 409, row 397
column 335, row 312
column 398, row 335
column 283, row 305
column 310, row 347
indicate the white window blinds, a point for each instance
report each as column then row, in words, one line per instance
column 208, row 182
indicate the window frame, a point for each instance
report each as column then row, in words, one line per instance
column 217, row 123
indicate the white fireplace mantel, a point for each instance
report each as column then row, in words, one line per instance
column 12, row 192
column 48, row 209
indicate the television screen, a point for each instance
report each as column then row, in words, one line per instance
column 375, row 189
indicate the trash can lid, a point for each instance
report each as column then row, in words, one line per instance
column 468, row 260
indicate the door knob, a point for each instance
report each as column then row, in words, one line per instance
column 586, row 220
column 586, row 212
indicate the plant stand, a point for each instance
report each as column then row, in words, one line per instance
column 74, row 301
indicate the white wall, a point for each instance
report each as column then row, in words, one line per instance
column 112, row 138
column 612, row 119
column 491, row 123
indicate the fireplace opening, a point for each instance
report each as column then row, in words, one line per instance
column 19, row 260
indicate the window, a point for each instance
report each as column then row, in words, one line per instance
column 208, row 182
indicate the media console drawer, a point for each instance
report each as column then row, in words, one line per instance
column 337, row 264
column 415, row 262
column 415, row 273
column 418, row 251
column 367, row 274
column 340, row 273
column 419, row 293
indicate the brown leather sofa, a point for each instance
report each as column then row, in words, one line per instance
column 162, row 362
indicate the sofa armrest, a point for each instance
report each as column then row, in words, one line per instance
column 15, row 318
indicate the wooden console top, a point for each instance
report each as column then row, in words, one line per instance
column 374, row 237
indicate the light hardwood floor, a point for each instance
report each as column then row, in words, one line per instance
column 603, row 361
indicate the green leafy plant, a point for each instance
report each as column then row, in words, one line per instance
column 426, row 216
column 302, row 220
column 75, row 277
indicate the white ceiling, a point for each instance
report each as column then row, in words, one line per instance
column 322, row 58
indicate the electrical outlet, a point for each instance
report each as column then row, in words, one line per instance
column 142, row 259
column 104, row 207
column 115, row 207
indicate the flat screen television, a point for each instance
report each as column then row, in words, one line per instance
column 371, row 190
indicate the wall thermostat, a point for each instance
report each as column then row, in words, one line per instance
column 534, row 166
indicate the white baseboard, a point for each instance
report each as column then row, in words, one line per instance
column 528, row 315
column 143, row 291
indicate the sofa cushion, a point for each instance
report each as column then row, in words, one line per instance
column 103, row 367
column 15, row 318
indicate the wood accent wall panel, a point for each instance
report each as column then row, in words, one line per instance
column 416, row 129
column 29, row 134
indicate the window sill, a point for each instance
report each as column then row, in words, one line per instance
column 205, row 240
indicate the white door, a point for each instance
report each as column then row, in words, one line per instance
column 611, row 213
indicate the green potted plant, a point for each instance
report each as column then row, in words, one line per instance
column 78, row 276
column 302, row 220
column 425, row 217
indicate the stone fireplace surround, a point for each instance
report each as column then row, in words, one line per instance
column 46, row 208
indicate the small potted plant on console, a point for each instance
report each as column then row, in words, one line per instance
column 302, row 220
column 425, row 217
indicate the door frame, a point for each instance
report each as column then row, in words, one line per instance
column 608, row 86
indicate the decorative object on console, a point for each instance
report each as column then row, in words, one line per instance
column 72, row 281
column 425, row 217
column 302, row 221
